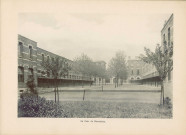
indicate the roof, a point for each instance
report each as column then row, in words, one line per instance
column 26, row 38
column 52, row 53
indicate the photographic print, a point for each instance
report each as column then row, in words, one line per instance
column 92, row 67
column 95, row 65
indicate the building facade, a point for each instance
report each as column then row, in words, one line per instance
column 29, row 65
column 134, row 70
column 150, row 75
column 167, row 40
column 100, row 80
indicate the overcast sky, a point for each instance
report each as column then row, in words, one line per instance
column 95, row 34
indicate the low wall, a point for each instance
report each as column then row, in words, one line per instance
column 49, row 83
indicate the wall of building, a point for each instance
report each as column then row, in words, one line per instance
column 134, row 70
column 150, row 75
column 29, row 61
column 26, row 61
column 166, row 40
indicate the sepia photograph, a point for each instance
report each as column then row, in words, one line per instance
column 92, row 67
column 85, row 65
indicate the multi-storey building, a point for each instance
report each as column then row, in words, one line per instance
column 134, row 70
column 167, row 40
column 149, row 74
column 29, row 65
column 27, row 60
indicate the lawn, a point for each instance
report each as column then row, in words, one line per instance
column 140, row 97
column 95, row 109
column 111, row 103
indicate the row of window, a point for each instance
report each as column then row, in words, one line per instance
column 21, row 73
column 20, row 50
column 169, row 42
column 132, row 72
column 169, row 38
column 30, row 74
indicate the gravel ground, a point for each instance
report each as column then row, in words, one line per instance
column 90, row 109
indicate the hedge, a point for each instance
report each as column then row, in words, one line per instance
column 30, row 105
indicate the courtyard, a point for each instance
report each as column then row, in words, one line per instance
column 125, row 101
column 124, row 93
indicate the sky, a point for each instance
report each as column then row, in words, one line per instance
column 99, row 35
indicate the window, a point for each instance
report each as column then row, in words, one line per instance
column 30, row 73
column 20, row 74
column 38, row 72
column 48, row 74
column 137, row 71
column 48, row 58
column 30, row 51
column 163, row 37
column 169, row 36
column 43, row 57
column 164, row 42
column 169, row 74
column 20, row 51
column 52, row 59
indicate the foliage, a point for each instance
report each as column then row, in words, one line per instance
column 31, row 85
column 58, row 68
column 98, row 70
column 83, row 64
column 168, row 103
column 30, row 105
column 162, row 60
column 117, row 66
column 86, row 66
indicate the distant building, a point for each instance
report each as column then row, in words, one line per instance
column 101, row 63
column 100, row 80
column 134, row 69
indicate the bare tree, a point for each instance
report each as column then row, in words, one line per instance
column 58, row 68
column 117, row 67
column 162, row 60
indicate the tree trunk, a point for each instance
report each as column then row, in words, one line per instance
column 162, row 93
column 82, row 81
column 117, row 81
column 55, row 89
